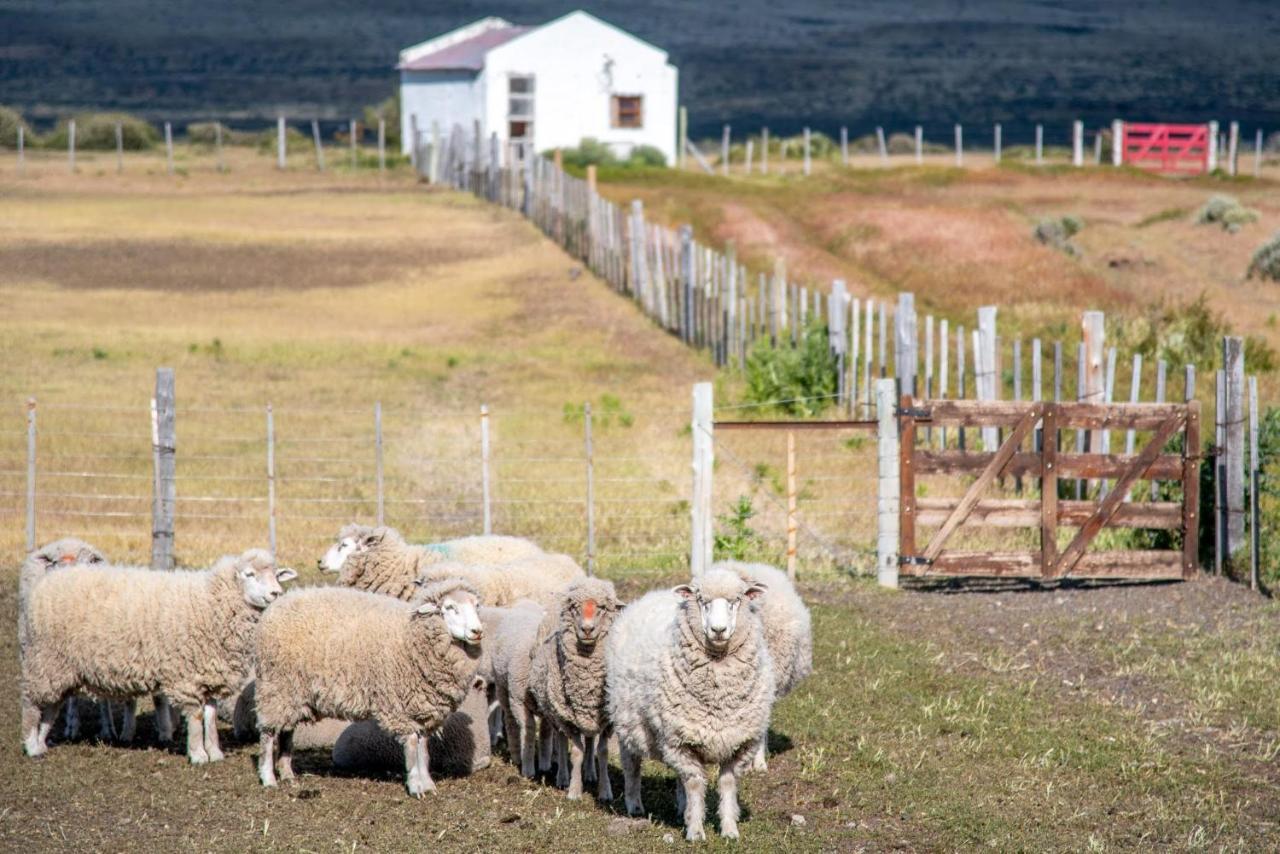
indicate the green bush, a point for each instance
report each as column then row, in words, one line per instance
column 804, row 377
column 205, row 133
column 592, row 152
column 647, row 155
column 1266, row 261
column 1188, row 333
column 389, row 110
column 1058, row 233
column 735, row 539
column 295, row 141
column 97, row 132
column 10, row 121
column 1225, row 211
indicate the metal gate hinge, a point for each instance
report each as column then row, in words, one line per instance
column 913, row 560
column 914, row 412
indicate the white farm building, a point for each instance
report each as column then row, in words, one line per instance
column 541, row 87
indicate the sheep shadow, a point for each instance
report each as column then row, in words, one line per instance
column 954, row 586
column 146, row 735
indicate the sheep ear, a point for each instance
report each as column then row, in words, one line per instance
column 426, row 609
column 285, row 574
column 755, row 591
column 684, row 591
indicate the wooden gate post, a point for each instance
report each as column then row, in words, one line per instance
column 889, row 479
column 166, row 488
column 1233, row 421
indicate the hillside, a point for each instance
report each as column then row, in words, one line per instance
column 936, row 61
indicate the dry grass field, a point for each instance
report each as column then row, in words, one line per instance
column 1090, row 718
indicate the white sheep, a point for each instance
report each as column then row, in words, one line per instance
column 690, row 682
column 567, row 679
column 348, row 654
column 125, row 632
column 787, row 630
column 380, row 561
column 510, row 652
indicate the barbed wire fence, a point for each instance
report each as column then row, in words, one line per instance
column 607, row 486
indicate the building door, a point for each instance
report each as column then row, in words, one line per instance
column 520, row 95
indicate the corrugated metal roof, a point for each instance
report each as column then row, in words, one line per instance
column 464, row 55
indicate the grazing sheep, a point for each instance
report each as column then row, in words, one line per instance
column 787, row 631
column 353, row 655
column 59, row 554
column 380, row 561
column 124, row 632
column 690, row 682
column 566, row 678
column 510, row 652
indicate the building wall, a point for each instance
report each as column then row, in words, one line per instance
column 447, row 97
column 568, row 59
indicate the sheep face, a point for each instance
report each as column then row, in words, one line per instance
column 260, row 578
column 590, row 616
column 350, row 538
column 68, row 552
column 459, row 608
column 717, row 608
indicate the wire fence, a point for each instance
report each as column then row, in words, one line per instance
column 609, row 488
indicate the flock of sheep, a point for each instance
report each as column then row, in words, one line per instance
column 434, row 653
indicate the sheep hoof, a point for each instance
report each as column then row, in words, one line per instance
column 695, row 834
column 729, row 832
column 216, row 755
column 760, row 763
column 200, row 758
column 605, row 795
column 636, row 809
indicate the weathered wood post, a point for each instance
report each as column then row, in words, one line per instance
column 119, row 148
column 807, row 156
column 22, row 149
column 484, row 470
column 888, row 457
column 904, row 344
column 281, row 144
column 1117, row 143
column 1039, row 145
column 1097, row 149
column 844, row 146
column 1211, row 164
column 315, row 138
column 791, row 505
column 703, row 463
column 271, row 479
column 764, row 151
column 591, row 490
column 1257, row 153
column 919, row 145
column 686, row 283
column 31, row 474
column 377, row 461
column 1220, row 523
column 351, row 137
column 988, row 384
column 1233, row 148
column 164, row 438
column 724, row 150
column 882, row 145
column 382, row 145
column 1077, row 143
column 168, row 147
column 1255, row 516
column 1234, row 435
column 746, row 166
column 959, row 145
column 997, row 143
column 1092, row 374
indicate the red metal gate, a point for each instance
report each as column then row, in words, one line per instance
column 1167, row 148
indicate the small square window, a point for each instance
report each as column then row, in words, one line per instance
column 520, row 85
column 628, row 111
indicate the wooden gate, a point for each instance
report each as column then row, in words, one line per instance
column 1167, row 148
column 1031, row 447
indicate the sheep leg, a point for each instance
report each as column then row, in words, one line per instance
column 680, row 798
column 604, row 790
column 266, row 757
column 71, row 729
column 589, row 767
column 412, row 766
column 106, row 721
column 546, row 747
column 530, row 762
column 286, row 755
column 164, row 718
column 37, row 740
column 694, row 783
column 195, row 737
column 631, row 781
column 497, row 724
column 577, row 749
column 129, row 721
column 728, row 787
column 211, row 745
column 562, row 759
column 514, row 734
column 759, row 760
column 424, row 761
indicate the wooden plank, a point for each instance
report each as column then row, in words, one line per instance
column 1146, row 565
column 1049, row 487
column 994, row 470
column 970, row 462
column 1028, row 513
column 1191, row 491
column 1123, row 416
column 1130, row 564
column 978, row 413
column 1071, row 554
column 986, row 564
column 906, row 479
column 1027, row 464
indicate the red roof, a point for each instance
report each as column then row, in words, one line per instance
column 467, row 54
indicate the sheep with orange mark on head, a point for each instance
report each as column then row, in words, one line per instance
column 567, row 680
column 690, row 682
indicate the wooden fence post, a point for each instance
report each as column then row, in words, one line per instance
column 1039, row 145
column 746, row 166
column 168, row 146
column 997, row 143
column 1219, row 473
column 984, row 372
column 382, row 145
column 591, row 490
column 904, row 344
column 271, row 479
column 378, row 469
column 71, row 146
column 281, row 144
column 1097, row 149
column 888, row 456
column 807, row 140
column 166, row 487
column 703, row 463
column 882, row 145
column 724, row 150
column 1255, row 515
column 764, row 151
column 686, row 283
column 1257, row 153
column 1234, row 435
column 1117, row 143
column 791, row 505
column 1077, row 143
column 351, row 138
column 484, row 469
column 1233, row 148
column 959, row 145
column 919, row 145
column 315, row 138
column 884, row 338
column 844, row 146
column 1211, row 164
column 31, row 474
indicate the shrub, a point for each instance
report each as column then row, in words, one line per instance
column 589, row 152
column 295, row 141
column 1225, row 211
column 205, row 133
column 97, row 132
column 1187, row 333
column 1058, row 233
column 388, row 110
column 647, row 155
column 10, row 121
column 1266, row 261
column 803, row 376
column 735, row 539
